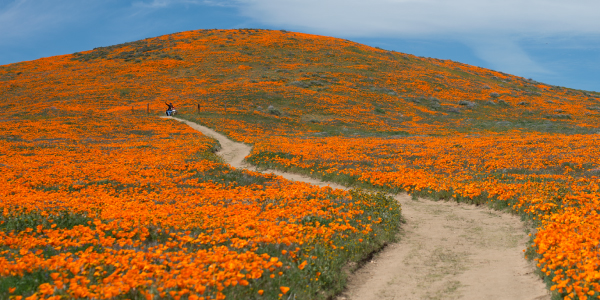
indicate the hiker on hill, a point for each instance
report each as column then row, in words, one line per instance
column 170, row 108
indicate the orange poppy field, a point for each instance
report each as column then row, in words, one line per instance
column 103, row 199
column 101, row 207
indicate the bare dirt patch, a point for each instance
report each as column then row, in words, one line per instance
column 447, row 250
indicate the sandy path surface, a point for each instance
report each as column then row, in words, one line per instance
column 446, row 250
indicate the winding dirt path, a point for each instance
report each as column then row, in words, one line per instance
column 447, row 250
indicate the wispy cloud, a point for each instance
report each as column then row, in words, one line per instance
column 21, row 19
column 502, row 33
column 492, row 29
column 504, row 54
column 418, row 17
column 156, row 4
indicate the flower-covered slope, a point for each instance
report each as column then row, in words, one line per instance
column 320, row 105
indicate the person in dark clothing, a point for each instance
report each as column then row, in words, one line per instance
column 170, row 108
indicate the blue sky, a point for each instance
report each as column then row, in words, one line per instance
column 552, row 41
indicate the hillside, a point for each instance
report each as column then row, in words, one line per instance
column 322, row 106
column 314, row 83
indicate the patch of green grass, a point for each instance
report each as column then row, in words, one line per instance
column 114, row 185
column 234, row 177
column 123, row 92
column 19, row 221
column 25, row 285
column 379, row 110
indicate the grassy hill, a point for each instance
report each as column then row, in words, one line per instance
column 322, row 106
column 314, row 83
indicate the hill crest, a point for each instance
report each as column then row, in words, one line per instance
column 310, row 81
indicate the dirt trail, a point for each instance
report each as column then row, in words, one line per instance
column 447, row 250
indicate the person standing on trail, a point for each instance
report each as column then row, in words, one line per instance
column 170, row 108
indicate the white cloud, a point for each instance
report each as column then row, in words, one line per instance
column 492, row 28
column 429, row 17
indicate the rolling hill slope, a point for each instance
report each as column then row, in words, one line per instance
column 333, row 109
column 315, row 83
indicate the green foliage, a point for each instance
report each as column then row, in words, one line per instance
column 123, row 92
column 379, row 110
column 25, row 285
column 18, row 221
column 267, row 156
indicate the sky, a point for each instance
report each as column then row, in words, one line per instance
column 551, row 41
